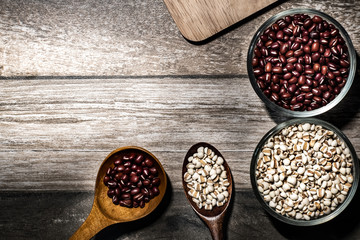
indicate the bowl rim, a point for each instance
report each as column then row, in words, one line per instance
column 340, row 208
column 344, row 90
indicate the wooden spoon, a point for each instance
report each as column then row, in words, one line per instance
column 213, row 218
column 104, row 213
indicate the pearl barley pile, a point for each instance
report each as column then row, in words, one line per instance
column 206, row 179
column 304, row 171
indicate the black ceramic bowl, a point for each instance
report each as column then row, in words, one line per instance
column 305, row 113
column 313, row 221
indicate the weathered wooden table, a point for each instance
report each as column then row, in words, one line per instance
column 80, row 79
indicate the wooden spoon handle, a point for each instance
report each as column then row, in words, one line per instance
column 92, row 225
column 217, row 232
column 216, row 227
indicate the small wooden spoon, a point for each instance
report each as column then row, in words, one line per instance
column 104, row 213
column 213, row 218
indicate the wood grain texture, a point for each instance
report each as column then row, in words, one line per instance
column 41, row 220
column 54, row 133
column 198, row 20
column 80, row 79
column 67, row 38
column 77, row 123
column 57, row 215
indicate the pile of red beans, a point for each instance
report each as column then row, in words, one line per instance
column 133, row 181
column 300, row 62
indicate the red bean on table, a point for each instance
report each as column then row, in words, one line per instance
column 301, row 62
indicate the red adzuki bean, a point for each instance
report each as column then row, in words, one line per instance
column 300, row 62
column 133, row 180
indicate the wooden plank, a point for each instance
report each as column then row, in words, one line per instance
column 67, row 38
column 60, row 126
column 128, row 110
column 198, row 20
column 55, row 134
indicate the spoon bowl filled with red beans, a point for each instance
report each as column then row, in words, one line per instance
column 301, row 62
column 130, row 184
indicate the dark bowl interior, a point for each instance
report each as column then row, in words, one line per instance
column 352, row 58
column 321, row 219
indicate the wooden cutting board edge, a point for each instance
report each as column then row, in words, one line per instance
column 198, row 20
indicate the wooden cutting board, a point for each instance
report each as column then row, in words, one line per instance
column 198, row 20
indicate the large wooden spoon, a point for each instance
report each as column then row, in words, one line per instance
column 104, row 213
column 213, row 218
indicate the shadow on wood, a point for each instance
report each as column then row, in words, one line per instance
column 349, row 106
column 229, row 211
column 238, row 24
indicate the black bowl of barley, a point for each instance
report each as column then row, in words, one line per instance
column 301, row 62
column 304, row 172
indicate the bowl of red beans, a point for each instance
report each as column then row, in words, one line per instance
column 301, row 62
